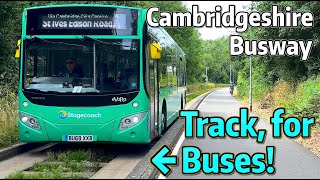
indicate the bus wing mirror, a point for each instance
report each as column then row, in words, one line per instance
column 155, row 51
column 18, row 49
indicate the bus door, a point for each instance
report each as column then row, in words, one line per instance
column 154, row 97
column 154, row 42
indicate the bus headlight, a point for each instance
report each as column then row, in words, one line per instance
column 29, row 121
column 132, row 120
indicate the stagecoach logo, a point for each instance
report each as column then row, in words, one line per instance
column 62, row 114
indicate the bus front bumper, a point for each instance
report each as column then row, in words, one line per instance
column 108, row 132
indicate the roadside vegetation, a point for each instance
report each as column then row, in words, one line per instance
column 77, row 164
column 300, row 100
column 8, row 118
column 195, row 90
column 283, row 81
column 52, row 175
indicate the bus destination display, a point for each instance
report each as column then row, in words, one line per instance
column 82, row 21
column 88, row 21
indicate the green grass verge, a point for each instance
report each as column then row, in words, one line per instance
column 191, row 88
column 198, row 93
column 79, row 155
column 8, row 119
column 198, row 89
column 65, row 167
column 58, row 163
column 47, row 175
column 71, row 156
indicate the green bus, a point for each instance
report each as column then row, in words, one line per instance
column 97, row 73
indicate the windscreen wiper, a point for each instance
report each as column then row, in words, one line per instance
column 38, row 90
column 102, row 42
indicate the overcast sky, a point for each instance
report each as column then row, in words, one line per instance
column 214, row 33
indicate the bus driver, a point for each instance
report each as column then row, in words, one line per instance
column 72, row 69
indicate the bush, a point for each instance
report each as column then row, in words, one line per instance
column 8, row 118
column 304, row 102
column 280, row 93
column 301, row 100
column 260, row 85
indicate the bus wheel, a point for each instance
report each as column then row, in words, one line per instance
column 163, row 122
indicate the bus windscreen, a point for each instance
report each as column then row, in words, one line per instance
column 65, row 65
column 82, row 21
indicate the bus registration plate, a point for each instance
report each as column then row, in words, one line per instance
column 77, row 138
